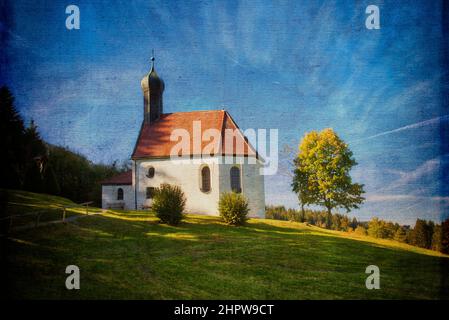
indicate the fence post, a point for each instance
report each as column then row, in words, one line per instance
column 63, row 214
column 87, row 208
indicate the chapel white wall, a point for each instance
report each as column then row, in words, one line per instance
column 109, row 196
column 184, row 174
column 253, row 187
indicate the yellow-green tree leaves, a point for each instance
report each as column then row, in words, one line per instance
column 321, row 174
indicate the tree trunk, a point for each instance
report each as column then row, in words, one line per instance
column 329, row 217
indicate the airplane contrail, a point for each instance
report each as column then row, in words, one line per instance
column 410, row 126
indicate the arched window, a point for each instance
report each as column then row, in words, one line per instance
column 235, row 180
column 150, row 173
column 120, row 194
column 205, row 179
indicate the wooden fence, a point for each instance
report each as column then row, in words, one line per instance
column 84, row 204
column 38, row 215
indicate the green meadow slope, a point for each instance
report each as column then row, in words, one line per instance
column 129, row 255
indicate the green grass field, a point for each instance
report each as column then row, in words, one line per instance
column 129, row 255
column 49, row 207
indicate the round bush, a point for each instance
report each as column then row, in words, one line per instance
column 233, row 208
column 169, row 203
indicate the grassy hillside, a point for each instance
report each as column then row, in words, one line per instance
column 128, row 254
column 17, row 203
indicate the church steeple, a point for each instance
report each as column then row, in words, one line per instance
column 153, row 89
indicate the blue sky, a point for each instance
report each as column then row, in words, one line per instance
column 291, row 65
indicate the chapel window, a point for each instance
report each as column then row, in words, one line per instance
column 205, row 179
column 235, row 180
column 120, row 194
column 150, row 172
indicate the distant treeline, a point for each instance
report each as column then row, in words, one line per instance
column 425, row 234
column 29, row 163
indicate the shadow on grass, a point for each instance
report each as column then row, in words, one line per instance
column 204, row 258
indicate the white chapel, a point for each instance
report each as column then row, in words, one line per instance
column 205, row 170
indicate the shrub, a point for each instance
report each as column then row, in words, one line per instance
column 169, row 203
column 361, row 230
column 233, row 208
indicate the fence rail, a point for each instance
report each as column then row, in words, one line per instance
column 39, row 213
column 64, row 208
column 11, row 217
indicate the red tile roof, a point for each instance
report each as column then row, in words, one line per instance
column 154, row 138
column 120, row 179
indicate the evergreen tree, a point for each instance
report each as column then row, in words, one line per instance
column 27, row 164
column 445, row 236
column 430, row 231
column 436, row 238
column 50, row 181
column 12, row 132
column 35, row 147
column 35, row 154
column 420, row 234
column 33, row 179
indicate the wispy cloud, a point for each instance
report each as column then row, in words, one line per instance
column 429, row 167
column 403, row 197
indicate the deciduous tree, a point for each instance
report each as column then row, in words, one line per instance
column 322, row 173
